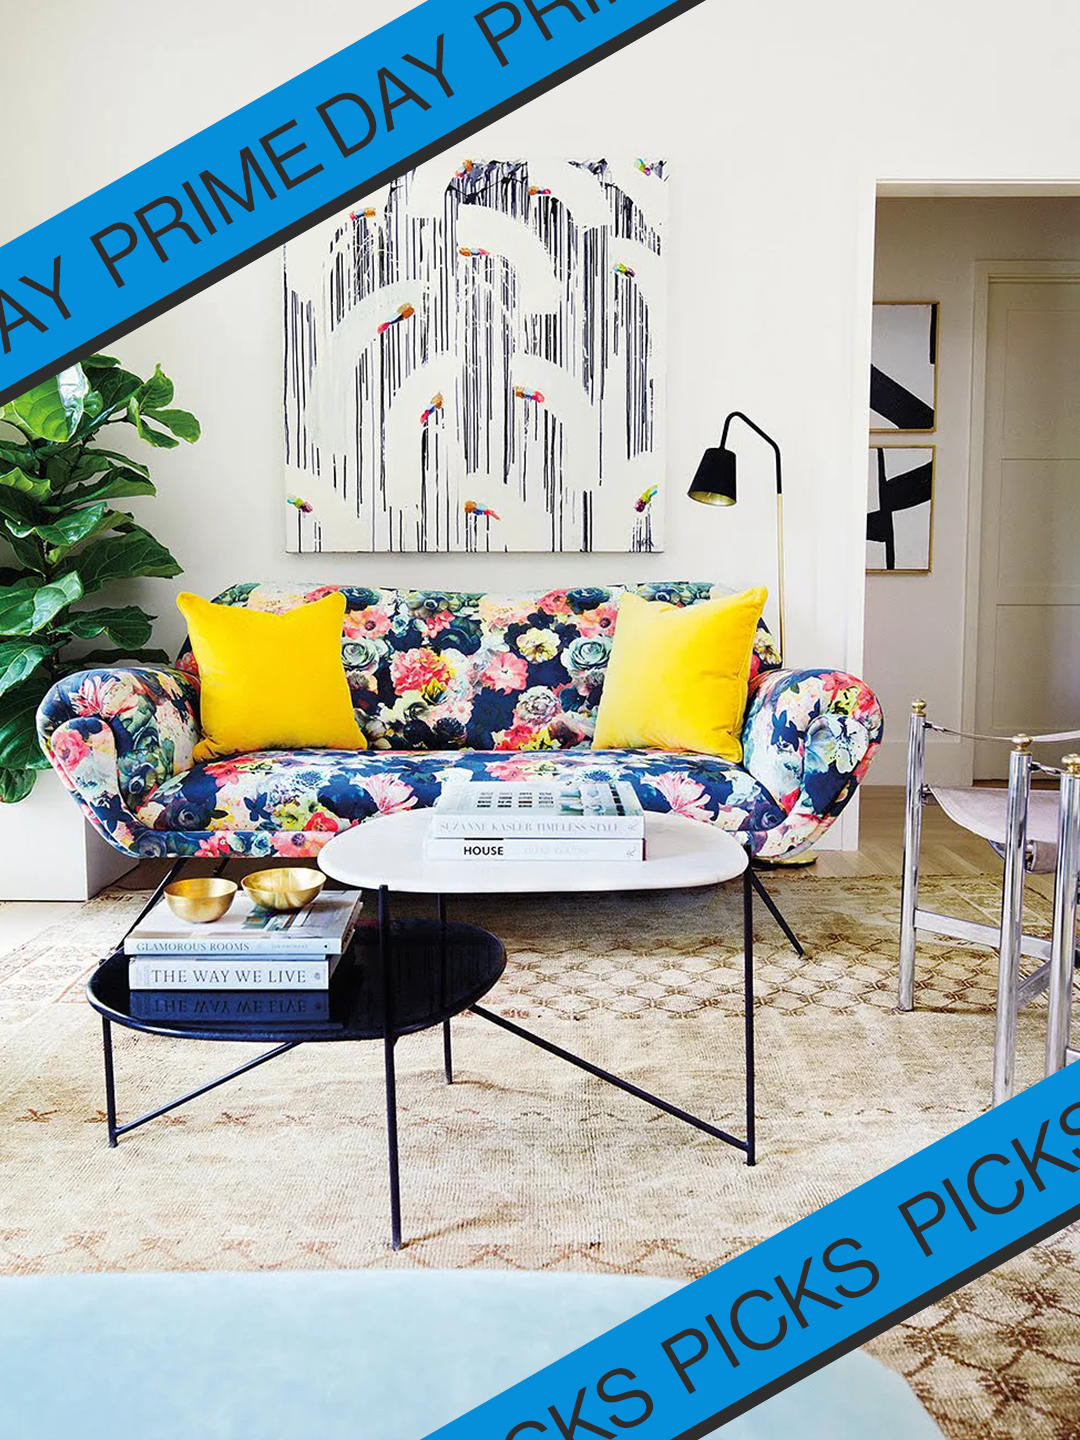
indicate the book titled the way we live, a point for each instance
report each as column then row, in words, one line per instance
column 257, row 972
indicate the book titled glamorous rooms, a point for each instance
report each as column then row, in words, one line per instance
column 323, row 927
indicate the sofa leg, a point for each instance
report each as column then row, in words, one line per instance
column 775, row 912
column 167, row 879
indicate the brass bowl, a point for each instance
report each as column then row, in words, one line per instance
column 200, row 901
column 287, row 887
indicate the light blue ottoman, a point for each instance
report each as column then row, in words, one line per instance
column 362, row 1355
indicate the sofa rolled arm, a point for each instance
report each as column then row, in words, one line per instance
column 113, row 736
column 809, row 737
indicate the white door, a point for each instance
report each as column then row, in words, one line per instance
column 1028, row 667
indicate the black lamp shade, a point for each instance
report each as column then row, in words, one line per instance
column 714, row 483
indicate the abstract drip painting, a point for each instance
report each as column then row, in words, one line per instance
column 474, row 361
column 900, row 504
column 903, row 366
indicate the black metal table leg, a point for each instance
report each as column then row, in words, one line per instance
column 389, row 1041
column 448, row 1052
column 110, row 1079
column 747, row 1145
column 748, row 1008
column 777, row 914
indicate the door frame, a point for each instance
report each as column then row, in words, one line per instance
column 986, row 272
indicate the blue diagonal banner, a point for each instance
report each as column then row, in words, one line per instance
column 822, row 1287
column 424, row 82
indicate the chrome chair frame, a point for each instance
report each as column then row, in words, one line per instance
column 1058, row 954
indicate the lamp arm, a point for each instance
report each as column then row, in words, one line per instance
column 738, row 415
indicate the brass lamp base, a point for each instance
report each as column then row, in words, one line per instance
column 794, row 863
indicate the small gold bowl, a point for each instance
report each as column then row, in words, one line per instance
column 200, row 901
column 288, row 887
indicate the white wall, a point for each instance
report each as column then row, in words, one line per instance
column 778, row 119
column 927, row 249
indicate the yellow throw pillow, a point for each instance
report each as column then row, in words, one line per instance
column 677, row 676
column 271, row 681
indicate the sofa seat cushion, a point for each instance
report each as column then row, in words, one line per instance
column 322, row 792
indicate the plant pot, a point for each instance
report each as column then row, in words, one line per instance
column 49, row 852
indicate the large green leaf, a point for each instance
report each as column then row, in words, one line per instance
column 112, row 486
column 121, row 557
column 12, row 454
column 28, row 555
column 65, row 530
column 158, row 438
column 17, row 479
column 115, row 386
column 99, row 362
column 28, row 606
column 180, row 422
column 117, row 520
column 15, row 785
column 124, row 625
column 156, row 392
column 18, row 661
column 119, row 459
column 18, row 508
column 53, row 409
column 20, row 748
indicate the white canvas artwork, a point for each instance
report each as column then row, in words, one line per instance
column 474, row 361
column 899, row 509
column 903, row 366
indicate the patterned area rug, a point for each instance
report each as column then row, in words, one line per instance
column 528, row 1164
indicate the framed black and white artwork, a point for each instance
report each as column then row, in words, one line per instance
column 903, row 366
column 474, row 361
column 900, row 509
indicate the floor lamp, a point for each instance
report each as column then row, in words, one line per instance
column 715, row 484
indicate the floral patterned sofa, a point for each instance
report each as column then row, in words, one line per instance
column 447, row 684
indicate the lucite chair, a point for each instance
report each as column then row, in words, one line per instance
column 1034, row 831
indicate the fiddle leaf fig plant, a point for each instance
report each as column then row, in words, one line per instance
column 65, row 542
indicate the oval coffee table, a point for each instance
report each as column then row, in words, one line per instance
column 386, row 853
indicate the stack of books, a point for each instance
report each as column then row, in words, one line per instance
column 515, row 820
column 253, row 965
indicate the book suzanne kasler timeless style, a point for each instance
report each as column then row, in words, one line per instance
column 510, row 809
column 323, row 927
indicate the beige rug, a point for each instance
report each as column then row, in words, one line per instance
column 526, row 1163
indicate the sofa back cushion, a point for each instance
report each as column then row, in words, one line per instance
column 446, row 669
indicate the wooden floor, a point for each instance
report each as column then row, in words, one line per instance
column 946, row 848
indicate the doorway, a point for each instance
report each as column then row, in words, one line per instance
column 986, row 627
column 1027, row 662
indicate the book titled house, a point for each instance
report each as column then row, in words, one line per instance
column 527, row 848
